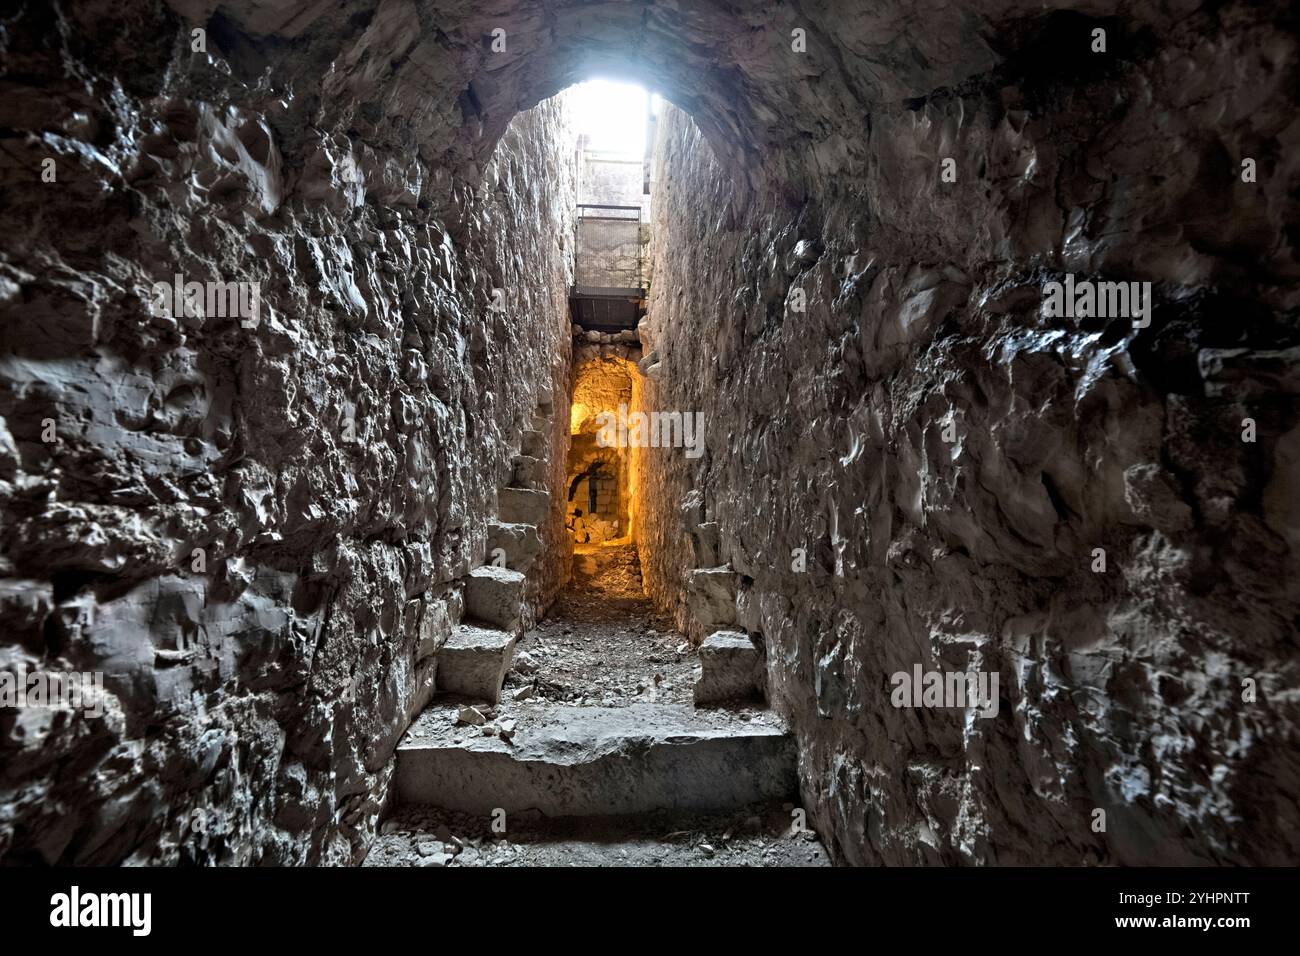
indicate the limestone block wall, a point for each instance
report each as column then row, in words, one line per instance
column 612, row 180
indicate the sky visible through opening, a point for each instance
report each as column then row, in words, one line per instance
column 612, row 114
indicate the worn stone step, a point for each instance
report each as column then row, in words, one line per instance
column 710, row 600
column 592, row 761
column 495, row 595
column 523, row 506
column 533, row 443
column 474, row 661
column 520, row 542
column 731, row 667
column 528, row 472
column 759, row 834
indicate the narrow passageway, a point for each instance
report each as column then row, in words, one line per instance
column 584, row 725
column 603, row 734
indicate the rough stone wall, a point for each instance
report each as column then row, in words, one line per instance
column 254, row 533
column 1122, row 690
column 554, row 565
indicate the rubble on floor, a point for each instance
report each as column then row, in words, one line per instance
column 602, row 643
column 764, row 834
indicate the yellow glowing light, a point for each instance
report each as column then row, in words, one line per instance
column 577, row 415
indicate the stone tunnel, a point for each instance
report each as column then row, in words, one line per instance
column 936, row 477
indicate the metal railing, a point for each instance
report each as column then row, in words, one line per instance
column 634, row 210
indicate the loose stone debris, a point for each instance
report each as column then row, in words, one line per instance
column 755, row 835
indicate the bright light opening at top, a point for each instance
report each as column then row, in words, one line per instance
column 613, row 115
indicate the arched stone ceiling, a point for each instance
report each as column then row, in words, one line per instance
column 404, row 72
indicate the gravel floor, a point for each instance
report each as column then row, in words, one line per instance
column 602, row 642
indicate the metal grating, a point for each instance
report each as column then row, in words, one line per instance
column 605, row 310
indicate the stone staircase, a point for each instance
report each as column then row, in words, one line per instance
column 496, row 595
column 472, row 751
column 476, row 656
column 474, row 661
column 731, row 668
column 520, row 542
column 523, row 505
column 593, row 761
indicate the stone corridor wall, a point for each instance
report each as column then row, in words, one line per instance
column 254, row 531
column 918, row 467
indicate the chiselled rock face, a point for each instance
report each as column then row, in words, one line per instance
column 922, row 460
column 253, row 512
column 283, row 307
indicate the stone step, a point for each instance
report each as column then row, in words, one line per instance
column 520, row 542
column 730, row 668
column 759, row 834
column 523, row 506
column 474, row 661
column 495, row 595
column 710, row 600
column 595, row 761
column 528, row 472
column 533, row 443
